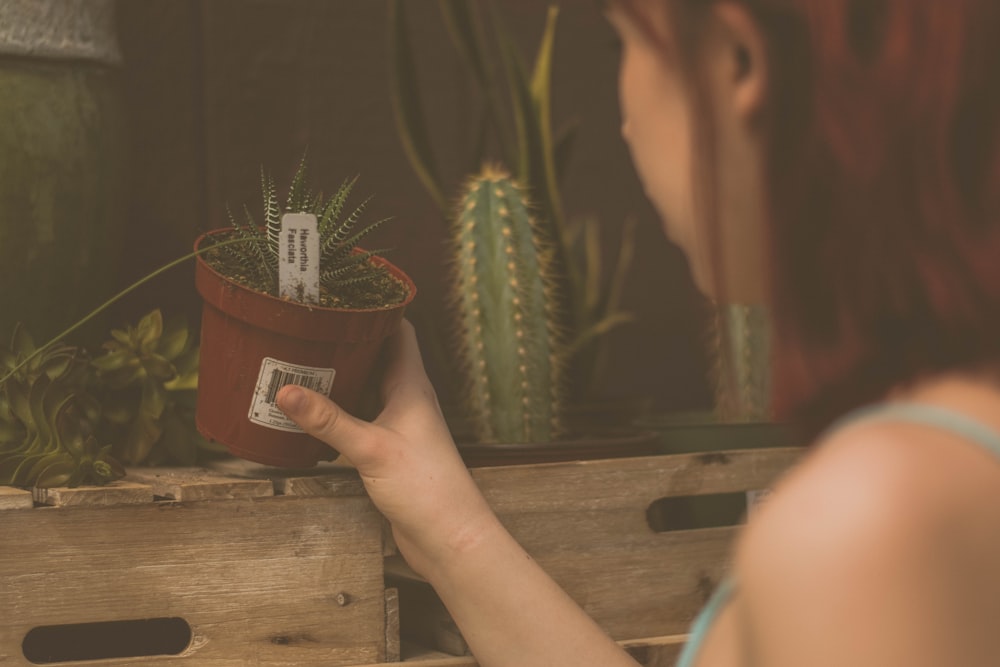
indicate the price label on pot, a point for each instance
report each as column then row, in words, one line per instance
column 274, row 375
column 298, row 266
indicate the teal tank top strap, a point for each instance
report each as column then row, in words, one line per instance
column 723, row 593
column 928, row 415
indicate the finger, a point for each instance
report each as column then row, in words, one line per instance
column 325, row 420
column 406, row 388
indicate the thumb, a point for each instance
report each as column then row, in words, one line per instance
column 323, row 419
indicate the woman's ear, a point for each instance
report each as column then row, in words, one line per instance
column 739, row 57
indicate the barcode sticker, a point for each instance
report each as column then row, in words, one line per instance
column 274, row 375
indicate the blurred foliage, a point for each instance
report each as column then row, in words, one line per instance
column 67, row 419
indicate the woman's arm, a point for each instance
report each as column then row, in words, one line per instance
column 509, row 610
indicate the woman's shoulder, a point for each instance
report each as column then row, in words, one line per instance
column 891, row 519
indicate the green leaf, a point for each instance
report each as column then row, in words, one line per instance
column 407, row 106
column 114, row 361
column 158, row 367
column 541, row 87
column 57, row 474
column 174, row 340
column 122, row 336
column 153, row 400
column 464, row 31
column 150, row 329
column 21, row 343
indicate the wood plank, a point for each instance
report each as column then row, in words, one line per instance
column 326, row 479
column 650, row 652
column 12, row 498
column 270, row 581
column 186, row 484
column 634, row 482
column 115, row 493
column 392, row 647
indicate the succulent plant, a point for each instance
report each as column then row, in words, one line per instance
column 148, row 377
column 348, row 277
column 48, row 419
column 507, row 338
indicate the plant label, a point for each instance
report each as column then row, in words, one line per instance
column 298, row 263
column 274, row 375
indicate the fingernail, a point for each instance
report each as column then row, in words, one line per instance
column 292, row 399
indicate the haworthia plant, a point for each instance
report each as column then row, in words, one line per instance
column 255, row 260
column 507, row 337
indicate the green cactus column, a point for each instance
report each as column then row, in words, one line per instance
column 742, row 351
column 505, row 314
column 60, row 161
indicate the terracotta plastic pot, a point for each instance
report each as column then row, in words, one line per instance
column 252, row 344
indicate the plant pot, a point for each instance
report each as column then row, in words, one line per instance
column 253, row 343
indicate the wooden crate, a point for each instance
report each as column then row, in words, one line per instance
column 593, row 526
column 274, row 567
column 263, row 572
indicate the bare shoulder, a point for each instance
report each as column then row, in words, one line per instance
column 886, row 533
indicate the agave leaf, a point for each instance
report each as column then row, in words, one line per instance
column 69, row 426
column 122, row 336
column 154, row 399
column 149, row 330
column 408, row 107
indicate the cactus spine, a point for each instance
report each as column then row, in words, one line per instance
column 505, row 313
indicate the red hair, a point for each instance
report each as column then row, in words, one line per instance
column 883, row 123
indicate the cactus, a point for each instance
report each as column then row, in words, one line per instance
column 507, row 337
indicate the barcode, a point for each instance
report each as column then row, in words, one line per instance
column 280, row 378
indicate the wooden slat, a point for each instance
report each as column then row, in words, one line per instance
column 326, row 479
column 15, row 499
column 651, row 652
column 630, row 482
column 269, row 581
column 115, row 493
column 187, row 484
column 392, row 646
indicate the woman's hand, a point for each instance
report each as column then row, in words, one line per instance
column 406, row 458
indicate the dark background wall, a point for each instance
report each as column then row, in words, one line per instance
column 216, row 88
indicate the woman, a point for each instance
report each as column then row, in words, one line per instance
column 838, row 160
